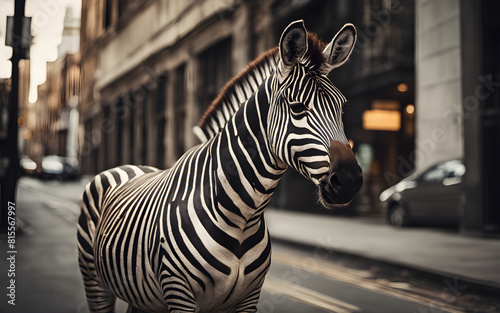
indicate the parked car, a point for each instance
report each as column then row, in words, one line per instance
column 430, row 196
column 58, row 167
column 28, row 166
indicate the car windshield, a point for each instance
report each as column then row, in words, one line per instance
column 434, row 174
column 438, row 172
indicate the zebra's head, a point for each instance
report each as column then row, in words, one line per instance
column 305, row 128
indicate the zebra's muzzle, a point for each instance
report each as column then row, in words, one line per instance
column 344, row 178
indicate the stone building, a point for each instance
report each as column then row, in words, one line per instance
column 150, row 68
column 56, row 128
column 53, row 126
column 458, row 101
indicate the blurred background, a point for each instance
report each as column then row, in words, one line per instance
column 111, row 82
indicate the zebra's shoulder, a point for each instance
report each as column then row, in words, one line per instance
column 119, row 175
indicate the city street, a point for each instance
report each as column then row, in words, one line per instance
column 385, row 113
column 301, row 279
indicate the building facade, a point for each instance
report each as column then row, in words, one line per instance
column 54, row 124
column 151, row 68
column 55, row 130
column 458, row 101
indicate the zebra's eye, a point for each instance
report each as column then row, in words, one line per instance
column 297, row 107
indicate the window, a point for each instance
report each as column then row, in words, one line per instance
column 161, row 120
column 120, row 116
column 93, row 151
column 434, row 174
column 131, row 128
column 180, row 109
column 146, row 104
column 107, row 133
column 161, row 96
column 122, row 6
column 107, row 14
column 215, row 67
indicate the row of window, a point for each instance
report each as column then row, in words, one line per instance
column 134, row 128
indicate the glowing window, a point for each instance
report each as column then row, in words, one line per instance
column 389, row 120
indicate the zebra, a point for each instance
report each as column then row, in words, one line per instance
column 193, row 238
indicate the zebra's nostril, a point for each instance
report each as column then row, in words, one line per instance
column 338, row 180
column 334, row 180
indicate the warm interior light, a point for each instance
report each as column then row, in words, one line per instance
column 402, row 87
column 410, row 109
column 20, row 121
column 351, row 143
column 389, row 120
column 386, row 105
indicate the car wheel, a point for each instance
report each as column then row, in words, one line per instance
column 398, row 216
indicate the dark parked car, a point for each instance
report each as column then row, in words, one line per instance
column 58, row 167
column 430, row 196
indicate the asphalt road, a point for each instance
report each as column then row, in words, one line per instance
column 301, row 279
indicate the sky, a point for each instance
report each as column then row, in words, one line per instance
column 46, row 25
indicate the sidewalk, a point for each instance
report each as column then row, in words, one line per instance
column 472, row 260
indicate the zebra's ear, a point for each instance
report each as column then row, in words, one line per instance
column 339, row 49
column 293, row 44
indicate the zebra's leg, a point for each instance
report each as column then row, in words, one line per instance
column 132, row 309
column 99, row 298
column 249, row 303
column 178, row 296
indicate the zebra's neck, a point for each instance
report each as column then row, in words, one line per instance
column 246, row 171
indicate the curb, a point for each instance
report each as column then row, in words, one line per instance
column 472, row 284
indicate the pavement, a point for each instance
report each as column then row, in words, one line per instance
column 48, row 279
column 444, row 253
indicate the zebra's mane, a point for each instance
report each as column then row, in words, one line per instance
column 238, row 89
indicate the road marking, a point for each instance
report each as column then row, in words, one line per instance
column 359, row 279
column 306, row 295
